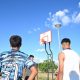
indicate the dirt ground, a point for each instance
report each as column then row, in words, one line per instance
column 43, row 76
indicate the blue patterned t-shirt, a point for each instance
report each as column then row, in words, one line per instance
column 10, row 61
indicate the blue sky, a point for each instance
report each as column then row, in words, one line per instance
column 30, row 18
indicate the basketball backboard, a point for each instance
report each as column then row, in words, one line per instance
column 45, row 37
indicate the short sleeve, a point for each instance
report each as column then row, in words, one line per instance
column 2, row 57
column 30, row 64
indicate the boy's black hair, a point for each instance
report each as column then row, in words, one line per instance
column 31, row 56
column 66, row 40
column 15, row 41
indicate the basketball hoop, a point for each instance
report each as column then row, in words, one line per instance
column 43, row 41
column 45, row 37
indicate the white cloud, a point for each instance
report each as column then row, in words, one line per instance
column 38, row 28
column 40, row 50
column 63, row 17
column 79, row 4
column 56, row 62
column 60, row 13
column 37, row 60
column 66, row 20
column 66, row 10
column 76, row 17
column 29, row 32
column 33, row 30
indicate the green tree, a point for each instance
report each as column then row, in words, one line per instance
column 47, row 65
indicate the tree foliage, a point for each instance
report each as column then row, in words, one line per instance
column 47, row 66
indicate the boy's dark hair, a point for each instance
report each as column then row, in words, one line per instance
column 66, row 40
column 31, row 56
column 15, row 41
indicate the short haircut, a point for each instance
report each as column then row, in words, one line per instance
column 66, row 40
column 31, row 56
column 15, row 41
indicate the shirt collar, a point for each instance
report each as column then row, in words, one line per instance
column 14, row 50
column 67, row 48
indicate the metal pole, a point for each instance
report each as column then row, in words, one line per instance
column 58, row 27
column 48, row 61
column 59, row 39
column 51, row 59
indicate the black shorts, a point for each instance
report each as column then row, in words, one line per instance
column 19, row 78
column 26, row 78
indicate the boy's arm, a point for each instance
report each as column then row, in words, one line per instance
column 33, row 73
column 79, row 64
column 24, row 73
column 61, row 66
column 33, row 69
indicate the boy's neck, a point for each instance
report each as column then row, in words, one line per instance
column 15, row 48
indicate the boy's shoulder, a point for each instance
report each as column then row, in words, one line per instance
column 22, row 52
column 5, row 52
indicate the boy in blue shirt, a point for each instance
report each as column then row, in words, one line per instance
column 13, row 61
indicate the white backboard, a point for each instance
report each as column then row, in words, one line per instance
column 46, row 37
